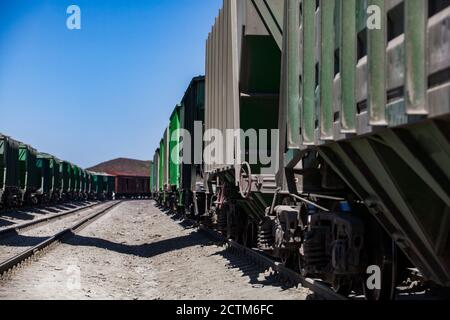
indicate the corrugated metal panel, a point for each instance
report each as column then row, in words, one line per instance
column 174, row 147
column 27, row 168
column 164, row 160
column 65, row 169
column 375, row 85
column 238, row 90
column 156, row 161
column 161, row 164
column 9, row 156
column 166, row 157
column 193, row 110
column 56, row 174
column 44, row 173
column 222, row 96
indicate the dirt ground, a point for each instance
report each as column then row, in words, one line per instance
column 137, row 252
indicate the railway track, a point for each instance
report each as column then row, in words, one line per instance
column 285, row 275
column 17, row 227
column 65, row 230
column 292, row 278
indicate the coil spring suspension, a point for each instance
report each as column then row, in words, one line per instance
column 265, row 238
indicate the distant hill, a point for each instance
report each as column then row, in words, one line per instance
column 124, row 167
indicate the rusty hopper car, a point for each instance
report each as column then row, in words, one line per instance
column 132, row 187
column 364, row 125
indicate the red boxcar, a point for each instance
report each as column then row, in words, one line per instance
column 132, row 187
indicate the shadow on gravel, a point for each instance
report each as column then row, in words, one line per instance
column 18, row 214
column 37, row 211
column 70, row 206
column 52, row 210
column 248, row 268
column 21, row 241
column 146, row 250
column 5, row 223
column 252, row 271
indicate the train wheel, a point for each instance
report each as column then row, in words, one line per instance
column 245, row 180
column 382, row 253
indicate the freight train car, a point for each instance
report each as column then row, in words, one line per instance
column 66, row 179
column 364, row 125
column 110, row 184
column 358, row 116
column 99, row 186
column 50, row 177
column 9, row 172
column 173, row 159
column 180, row 179
column 165, row 193
column 44, row 177
column 155, row 173
column 28, row 177
column 28, row 182
column 192, row 191
column 132, row 187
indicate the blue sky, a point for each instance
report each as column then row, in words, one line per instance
column 104, row 91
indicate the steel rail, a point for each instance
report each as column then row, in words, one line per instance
column 15, row 229
column 9, row 264
column 285, row 273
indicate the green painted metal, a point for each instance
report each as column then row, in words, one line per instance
column 96, row 183
column 28, row 169
column 376, row 58
column 9, row 157
column 161, row 165
column 308, row 76
column 2, row 162
column 290, row 82
column 416, row 47
column 260, row 87
column 337, row 24
column 174, row 148
column 361, row 14
column 72, row 182
column 327, row 10
column 156, row 165
column 348, row 65
column 110, row 183
column 402, row 175
column 65, row 173
column 193, row 111
column 88, row 183
column 56, row 174
column 44, row 173
column 75, row 187
column 262, row 65
column 152, row 176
